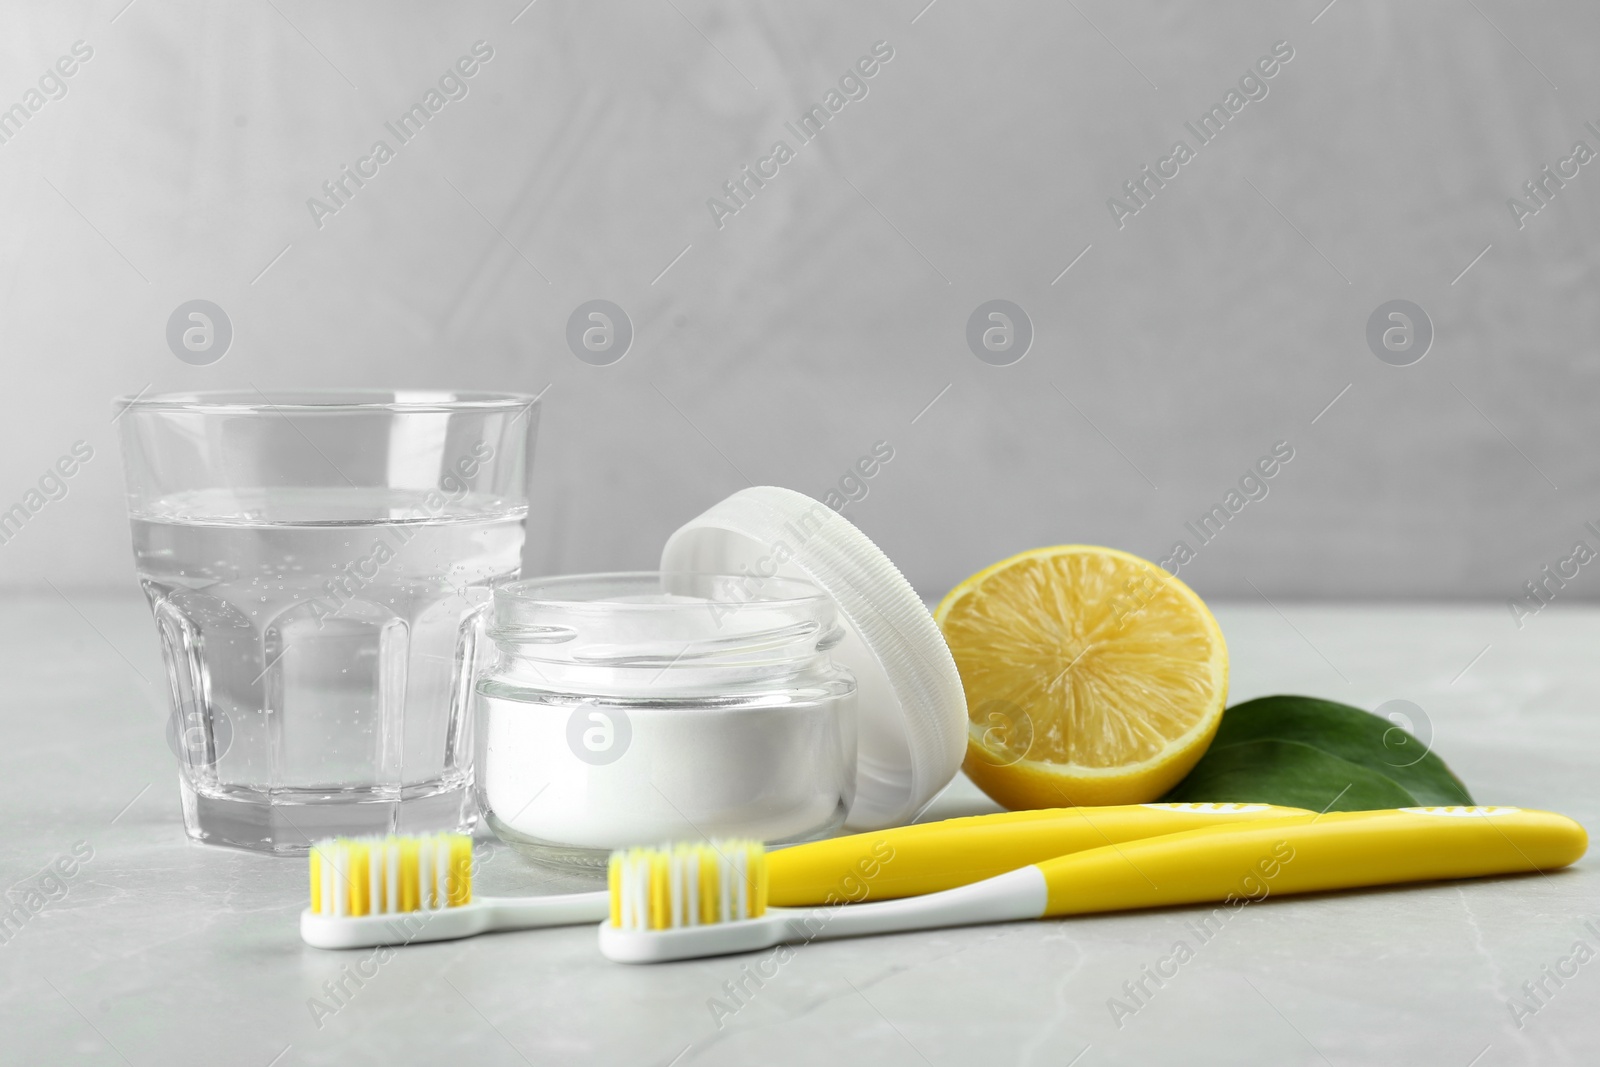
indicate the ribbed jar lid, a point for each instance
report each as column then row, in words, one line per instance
column 912, row 713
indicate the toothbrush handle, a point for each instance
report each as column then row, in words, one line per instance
column 929, row 857
column 1018, row 894
column 1311, row 853
column 527, row 913
column 447, row 924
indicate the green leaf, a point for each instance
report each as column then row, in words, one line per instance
column 1296, row 775
column 1349, row 733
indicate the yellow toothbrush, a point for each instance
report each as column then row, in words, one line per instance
column 396, row 890
column 692, row 903
column 911, row 860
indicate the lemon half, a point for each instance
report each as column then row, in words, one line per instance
column 1092, row 677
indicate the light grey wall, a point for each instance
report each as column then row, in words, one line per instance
column 1223, row 317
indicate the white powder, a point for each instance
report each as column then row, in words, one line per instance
column 778, row 771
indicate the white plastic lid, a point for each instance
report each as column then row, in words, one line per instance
column 912, row 712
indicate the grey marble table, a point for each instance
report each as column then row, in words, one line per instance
column 158, row 951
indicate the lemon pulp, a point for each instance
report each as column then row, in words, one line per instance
column 1092, row 676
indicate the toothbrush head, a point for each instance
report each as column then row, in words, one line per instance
column 689, row 900
column 687, row 884
column 370, row 891
column 356, row 876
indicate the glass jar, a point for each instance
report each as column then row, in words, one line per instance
column 641, row 708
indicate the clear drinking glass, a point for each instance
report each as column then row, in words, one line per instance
column 320, row 566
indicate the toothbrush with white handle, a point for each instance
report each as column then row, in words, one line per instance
column 401, row 890
column 398, row 890
column 664, row 909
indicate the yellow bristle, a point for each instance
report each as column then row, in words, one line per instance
column 614, row 887
column 358, row 877
column 316, row 880
column 346, row 887
column 659, row 915
column 409, row 900
column 460, row 870
column 708, row 884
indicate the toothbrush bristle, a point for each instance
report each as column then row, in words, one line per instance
column 353, row 876
column 687, row 884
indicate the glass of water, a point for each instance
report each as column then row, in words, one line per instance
column 320, row 566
